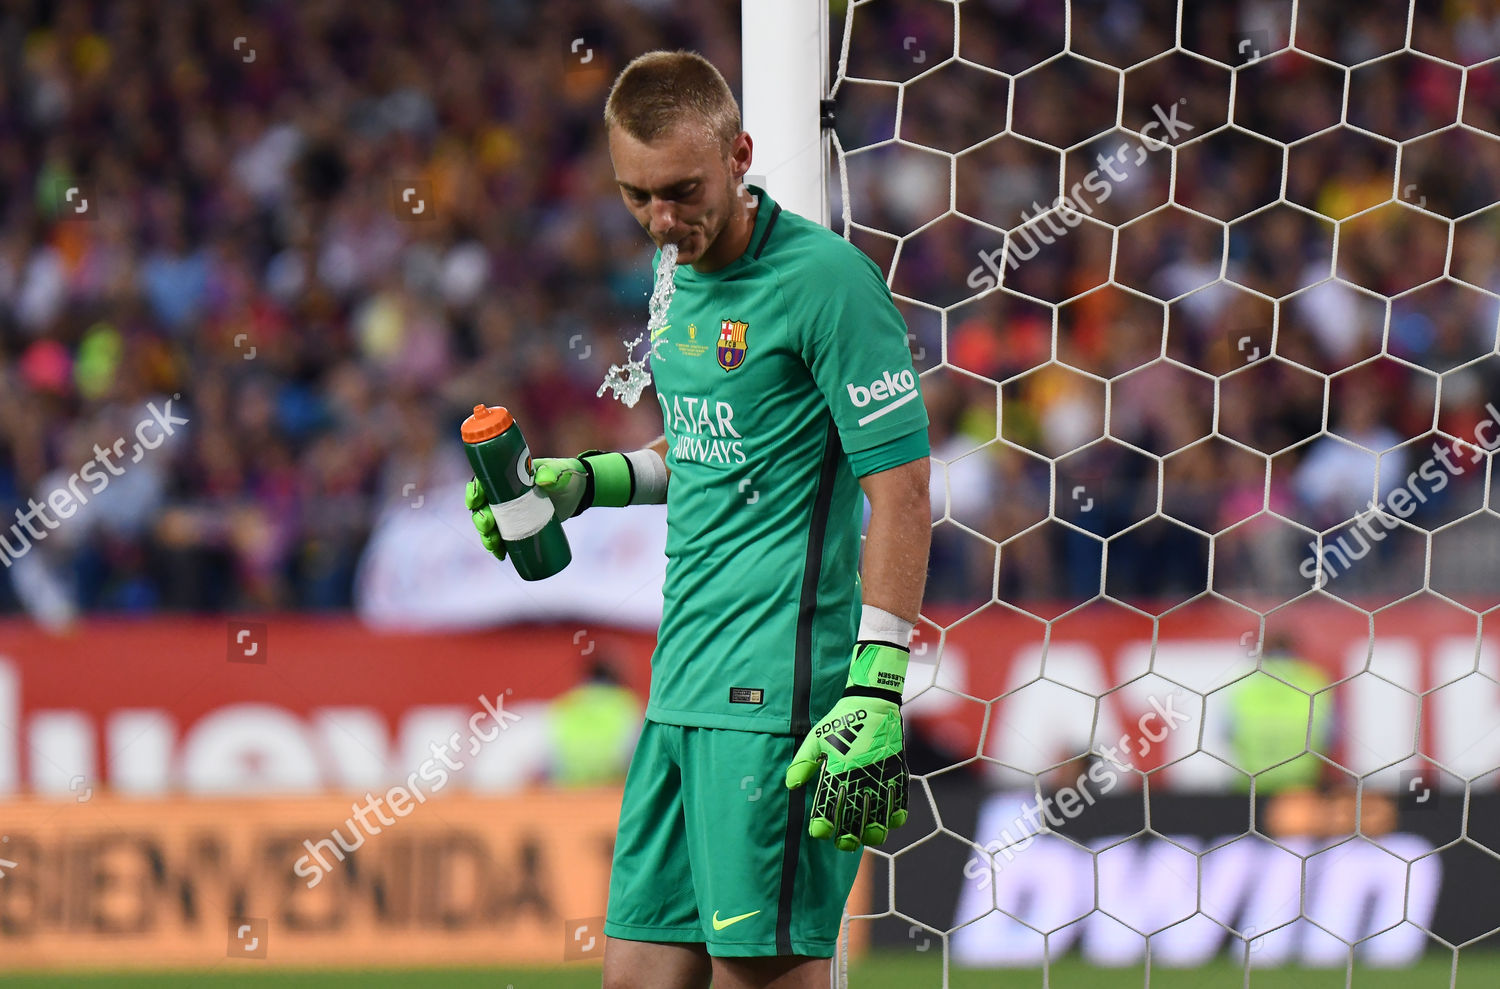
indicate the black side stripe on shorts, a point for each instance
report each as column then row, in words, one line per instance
column 791, row 849
column 770, row 225
column 807, row 608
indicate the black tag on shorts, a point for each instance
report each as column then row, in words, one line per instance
column 746, row 695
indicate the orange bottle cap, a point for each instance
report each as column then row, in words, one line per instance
column 486, row 423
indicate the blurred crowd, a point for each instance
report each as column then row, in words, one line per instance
column 1140, row 412
column 326, row 229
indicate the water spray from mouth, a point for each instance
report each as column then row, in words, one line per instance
column 626, row 383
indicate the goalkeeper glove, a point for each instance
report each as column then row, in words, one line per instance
column 861, row 793
column 574, row 484
column 484, row 519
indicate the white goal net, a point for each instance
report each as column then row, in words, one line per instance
column 1204, row 298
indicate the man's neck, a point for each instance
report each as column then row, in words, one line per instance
column 735, row 239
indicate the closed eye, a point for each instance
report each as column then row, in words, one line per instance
column 680, row 193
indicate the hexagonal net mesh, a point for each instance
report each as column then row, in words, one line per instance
column 1204, row 299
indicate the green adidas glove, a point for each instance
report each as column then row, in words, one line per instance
column 858, row 745
column 573, row 483
column 484, row 519
column 585, row 481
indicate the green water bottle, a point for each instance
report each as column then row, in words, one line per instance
column 497, row 451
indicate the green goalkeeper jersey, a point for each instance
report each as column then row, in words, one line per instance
column 782, row 378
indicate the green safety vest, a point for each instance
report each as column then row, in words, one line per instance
column 594, row 728
column 1271, row 711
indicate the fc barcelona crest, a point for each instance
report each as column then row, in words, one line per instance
column 732, row 343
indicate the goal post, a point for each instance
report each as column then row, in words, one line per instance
column 784, row 73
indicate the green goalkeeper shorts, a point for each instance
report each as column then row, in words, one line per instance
column 713, row 848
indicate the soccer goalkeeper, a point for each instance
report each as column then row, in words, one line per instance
column 775, row 709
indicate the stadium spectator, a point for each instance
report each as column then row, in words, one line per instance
column 594, row 729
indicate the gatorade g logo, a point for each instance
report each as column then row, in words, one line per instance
column 902, row 387
column 523, row 466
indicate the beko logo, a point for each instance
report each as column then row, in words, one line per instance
column 887, row 386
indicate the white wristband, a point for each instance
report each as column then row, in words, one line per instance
column 876, row 625
column 650, row 473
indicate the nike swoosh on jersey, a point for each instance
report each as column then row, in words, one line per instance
column 719, row 925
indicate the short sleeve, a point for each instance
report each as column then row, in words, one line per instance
column 855, row 344
column 912, row 446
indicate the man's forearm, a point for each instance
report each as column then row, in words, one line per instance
column 897, row 542
column 895, row 570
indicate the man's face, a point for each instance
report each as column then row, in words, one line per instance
column 681, row 187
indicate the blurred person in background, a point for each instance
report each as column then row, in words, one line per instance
column 594, row 728
column 1279, row 716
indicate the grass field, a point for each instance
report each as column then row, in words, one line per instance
column 886, row 970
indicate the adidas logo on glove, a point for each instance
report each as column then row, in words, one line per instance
column 854, row 719
column 846, row 738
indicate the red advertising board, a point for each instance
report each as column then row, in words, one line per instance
column 286, row 704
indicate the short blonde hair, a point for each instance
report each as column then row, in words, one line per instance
column 660, row 89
